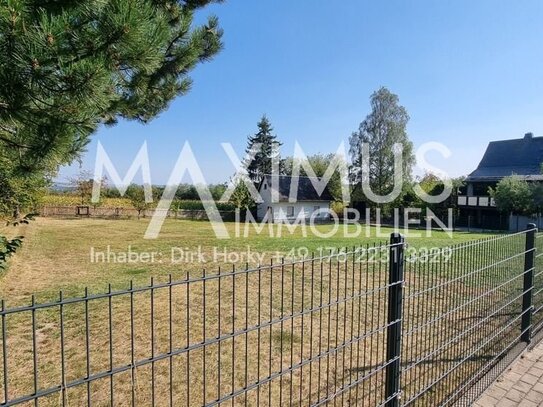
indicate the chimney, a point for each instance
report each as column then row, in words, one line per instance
column 529, row 136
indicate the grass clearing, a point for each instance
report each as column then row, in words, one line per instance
column 56, row 252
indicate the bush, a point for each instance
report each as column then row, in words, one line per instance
column 189, row 204
column 193, row 205
column 74, row 200
column 338, row 208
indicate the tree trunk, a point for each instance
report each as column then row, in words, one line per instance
column 16, row 212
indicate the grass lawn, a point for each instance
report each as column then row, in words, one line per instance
column 57, row 252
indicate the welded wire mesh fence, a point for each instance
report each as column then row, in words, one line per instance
column 309, row 331
column 330, row 328
column 538, row 286
column 461, row 317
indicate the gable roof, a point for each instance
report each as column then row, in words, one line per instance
column 522, row 157
column 305, row 191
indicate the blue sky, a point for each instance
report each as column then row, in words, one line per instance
column 468, row 72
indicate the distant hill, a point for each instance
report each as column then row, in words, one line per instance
column 61, row 187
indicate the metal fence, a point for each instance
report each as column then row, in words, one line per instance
column 374, row 325
column 538, row 285
column 463, row 319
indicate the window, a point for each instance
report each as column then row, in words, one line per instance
column 290, row 210
column 265, row 186
column 316, row 208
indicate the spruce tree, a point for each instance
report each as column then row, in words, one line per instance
column 68, row 66
column 268, row 150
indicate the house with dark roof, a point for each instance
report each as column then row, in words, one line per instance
column 521, row 157
column 287, row 199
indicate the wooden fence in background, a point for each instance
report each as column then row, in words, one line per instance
column 125, row 213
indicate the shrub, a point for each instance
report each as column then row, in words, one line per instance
column 338, row 208
column 194, row 205
column 189, row 204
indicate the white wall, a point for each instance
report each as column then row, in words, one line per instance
column 280, row 209
column 302, row 210
column 262, row 207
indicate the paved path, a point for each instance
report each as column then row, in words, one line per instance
column 521, row 385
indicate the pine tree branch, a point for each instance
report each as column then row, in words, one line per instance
column 13, row 143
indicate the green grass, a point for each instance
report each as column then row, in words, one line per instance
column 56, row 252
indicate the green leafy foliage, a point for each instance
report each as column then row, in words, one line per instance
column 82, row 185
column 136, row 195
column 319, row 163
column 193, row 205
column 432, row 185
column 183, row 192
column 189, row 191
column 19, row 193
column 69, row 199
column 537, row 196
column 8, row 247
column 68, row 66
column 384, row 127
column 241, row 197
column 338, row 208
column 515, row 195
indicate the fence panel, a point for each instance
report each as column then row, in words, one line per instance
column 462, row 314
column 538, row 286
column 309, row 331
column 305, row 332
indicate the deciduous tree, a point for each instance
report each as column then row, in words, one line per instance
column 136, row 194
column 241, row 197
column 384, row 127
column 514, row 195
column 82, row 185
column 319, row 163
